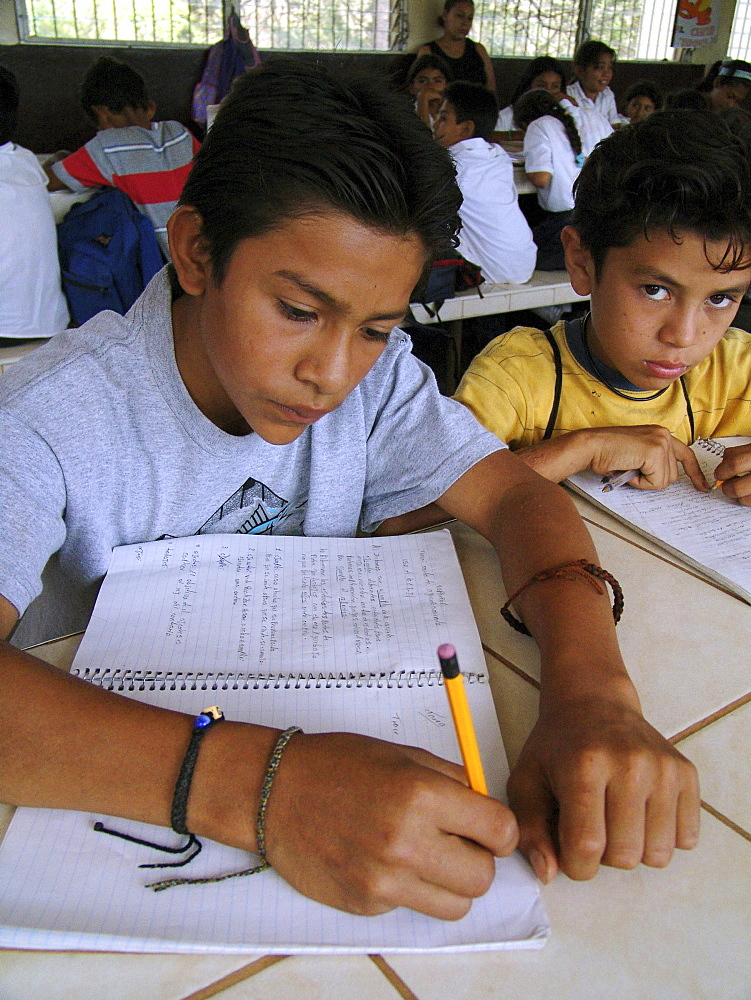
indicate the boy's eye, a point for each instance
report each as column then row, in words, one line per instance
column 721, row 300
column 657, row 292
column 293, row 313
column 380, row 335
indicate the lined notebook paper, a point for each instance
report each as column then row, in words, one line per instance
column 327, row 634
column 708, row 531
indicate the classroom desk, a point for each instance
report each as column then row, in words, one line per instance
column 679, row 934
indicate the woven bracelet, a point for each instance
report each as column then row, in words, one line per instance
column 268, row 781
column 201, row 725
column 581, row 569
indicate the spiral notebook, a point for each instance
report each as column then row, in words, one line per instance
column 327, row 634
column 708, row 531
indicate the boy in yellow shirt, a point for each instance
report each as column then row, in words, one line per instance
column 660, row 239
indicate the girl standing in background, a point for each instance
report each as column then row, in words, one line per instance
column 467, row 60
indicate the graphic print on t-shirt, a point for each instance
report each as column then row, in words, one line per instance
column 254, row 509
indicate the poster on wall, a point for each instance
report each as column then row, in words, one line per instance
column 696, row 23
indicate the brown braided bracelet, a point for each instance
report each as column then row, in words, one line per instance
column 589, row 573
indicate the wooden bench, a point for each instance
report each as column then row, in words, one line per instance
column 9, row 355
column 545, row 288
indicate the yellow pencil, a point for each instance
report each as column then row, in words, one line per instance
column 465, row 730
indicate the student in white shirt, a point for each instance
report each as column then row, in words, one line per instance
column 32, row 302
column 641, row 100
column 427, row 80
column 593, row 71
column 552, row 160
column 542, row 73
column 546, row 73
column 494, row 232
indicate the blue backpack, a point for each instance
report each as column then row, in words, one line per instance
column 108, row 254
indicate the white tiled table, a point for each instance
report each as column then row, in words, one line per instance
column 679, row 934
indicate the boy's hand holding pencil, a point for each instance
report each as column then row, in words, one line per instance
column 733, row 474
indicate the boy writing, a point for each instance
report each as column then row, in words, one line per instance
column 494, row 232
column 660, row 238
column 147, row 160
column 265, row 384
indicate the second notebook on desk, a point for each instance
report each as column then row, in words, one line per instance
column 327, row 634
column 708, row 531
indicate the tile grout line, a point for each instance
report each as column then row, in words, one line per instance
column 396, row 981
column 511, row 666
column 721, row 713
column 684, row 568
column 238, row 976
column 726, row 820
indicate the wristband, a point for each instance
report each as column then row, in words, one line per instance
column 581, row 569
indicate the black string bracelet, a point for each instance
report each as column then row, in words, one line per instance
column 201, row 725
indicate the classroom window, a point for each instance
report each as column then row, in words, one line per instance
column 347, row 25
column 636, row 29
column 739, row 46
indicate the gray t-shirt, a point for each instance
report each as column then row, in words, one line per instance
column 103, row 446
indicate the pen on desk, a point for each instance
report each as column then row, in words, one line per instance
column 465, row 730
column 616, row 479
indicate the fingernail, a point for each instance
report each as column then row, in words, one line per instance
column 539, row 865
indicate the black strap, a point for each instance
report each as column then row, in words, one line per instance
column 558, row 384
column 689, row 410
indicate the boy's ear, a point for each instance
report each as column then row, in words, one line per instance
column 467, row 129
column 188, row 250
column 102, row 116
column 151, row 110
column 579, row 262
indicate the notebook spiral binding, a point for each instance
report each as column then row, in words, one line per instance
column 188, row 680
column 709, row 444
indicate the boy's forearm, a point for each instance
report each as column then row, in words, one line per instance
column 533, row 526
column 70, row 745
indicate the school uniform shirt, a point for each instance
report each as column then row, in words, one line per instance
column 590, row 125
column 604, row 103
column 510, row 387
column 149, row 165
column 102, row 445
column 31, row 300
column 494, row 233
column 505, row 122
column 546, row 147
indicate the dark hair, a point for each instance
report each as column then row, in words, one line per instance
column 674, row 171
column 538, row 103
column 9, row 97
column 428, row 61
column 448, row 5
column 688, row 99
column 112, row 84
column 293, row 139
column 542, row 64
column 473, row 103
column 738, row 120
column 589, row 53
column 724, row 72
column 644, row 88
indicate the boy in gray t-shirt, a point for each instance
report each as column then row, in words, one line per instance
column 259, row 385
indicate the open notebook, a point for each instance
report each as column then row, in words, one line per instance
column 327, row 634
column 708, row 531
